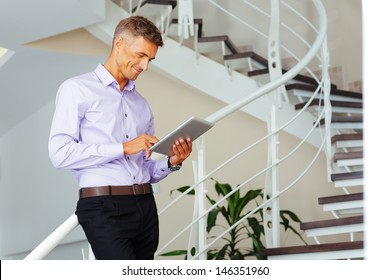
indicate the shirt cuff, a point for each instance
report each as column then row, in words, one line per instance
column 162, row 167
column 114, row 150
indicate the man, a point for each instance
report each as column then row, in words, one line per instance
column 102, row 130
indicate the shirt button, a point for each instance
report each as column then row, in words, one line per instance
column 126, row 115
column 127, row 136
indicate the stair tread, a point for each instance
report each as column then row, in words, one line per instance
column 347, row 137
column 346, row 176
column 348, row 155
column 347, row 118
column 249, row 54
column 340, row 198
column 332, row 222
column 219, row 38
column 172, row 3
column 299, row 77
column 345, row 104
column 207, row 39
column 197, row 21
column 312, row 248
column 333, row 90
column 344, row 119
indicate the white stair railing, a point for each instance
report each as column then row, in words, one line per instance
column 319, row 44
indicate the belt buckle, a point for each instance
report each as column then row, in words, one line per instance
column 135, row 186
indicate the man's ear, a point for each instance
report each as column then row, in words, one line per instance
column 118, row 42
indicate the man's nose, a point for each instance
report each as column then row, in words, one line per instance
column 145, row 64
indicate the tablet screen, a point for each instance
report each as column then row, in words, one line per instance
column 192, row 128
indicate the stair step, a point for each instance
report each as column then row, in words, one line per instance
column 346, row 176
column 332, row 222
column 339, row 250
column 172, row 3
column 340, row 198
column 347, row 137
column 347, row 155
column 345, row 107
column 344, row 159
column 348, row 140
column 299, row 77
column 343, row 204
column 345, row 119
column 333, row 226
column 348, row 179
column 219, row 39
column 334, row 103
column 345, row 122
column 336, row 94
column 242, row 55
column 197, row 21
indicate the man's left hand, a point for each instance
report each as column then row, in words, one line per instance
column 182, row 150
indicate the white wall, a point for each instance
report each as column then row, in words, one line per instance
column 35, row 198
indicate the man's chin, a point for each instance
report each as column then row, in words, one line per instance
column 132, row 77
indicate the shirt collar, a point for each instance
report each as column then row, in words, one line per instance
column 106, row 78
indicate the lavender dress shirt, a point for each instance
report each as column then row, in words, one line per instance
column 91, row 121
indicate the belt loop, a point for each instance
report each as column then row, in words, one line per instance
column 109, row 191
column 134, row 186
column 143, row 187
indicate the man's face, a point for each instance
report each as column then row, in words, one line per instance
column 134, row 55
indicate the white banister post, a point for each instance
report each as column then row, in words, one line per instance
column 186, row 19
column 271, row 210
column 200, row 193
column 327, row 106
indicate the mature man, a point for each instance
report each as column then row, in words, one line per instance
column 102, row 130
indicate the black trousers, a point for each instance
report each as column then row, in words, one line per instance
column 120, row 227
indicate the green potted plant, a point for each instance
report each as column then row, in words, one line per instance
column 251, row 230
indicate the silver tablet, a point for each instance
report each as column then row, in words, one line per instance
column 192, row 128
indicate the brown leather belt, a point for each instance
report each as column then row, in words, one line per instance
column 137, row 189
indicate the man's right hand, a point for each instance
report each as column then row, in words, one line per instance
column 141, row 143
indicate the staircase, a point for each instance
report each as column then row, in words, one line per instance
column 347, row 150
column 347, row 154
column 253, row 70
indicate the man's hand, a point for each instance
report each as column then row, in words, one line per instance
column 182, row 150
column 141, row 143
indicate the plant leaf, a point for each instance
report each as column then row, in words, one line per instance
column 212, row 218
column 183, row 189
column 292, row 215
column 242, row 202
column 174, row 253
